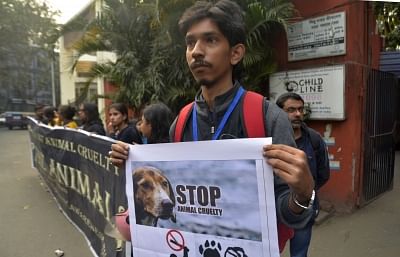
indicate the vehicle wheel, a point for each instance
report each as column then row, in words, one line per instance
column 10, row 127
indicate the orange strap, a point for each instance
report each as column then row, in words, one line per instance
column 253, row 114
column 181, row 122
column 254, row 117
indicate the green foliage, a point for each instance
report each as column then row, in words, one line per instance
column 151, row 64
column 388, row 19
column 264, row 19
column 27, row 35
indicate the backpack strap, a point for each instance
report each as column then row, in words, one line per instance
column 253, row 114
column 181, row 122
column 254, row 124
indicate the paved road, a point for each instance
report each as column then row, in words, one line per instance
column 32, row 226
column 373, row 231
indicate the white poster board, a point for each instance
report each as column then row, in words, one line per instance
column 321, row 88
column 317, row 37
column 222, row 195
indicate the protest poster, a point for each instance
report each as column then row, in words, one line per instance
column 88, row 188
column 207, row 198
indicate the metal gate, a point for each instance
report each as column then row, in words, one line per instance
column 380, row 105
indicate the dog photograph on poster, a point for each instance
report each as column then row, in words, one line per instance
column 214, row 197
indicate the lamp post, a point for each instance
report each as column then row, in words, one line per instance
column 53, row 86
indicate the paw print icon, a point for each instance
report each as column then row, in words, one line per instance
column 210, row 249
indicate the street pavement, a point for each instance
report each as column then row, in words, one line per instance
column 31, row 224
column 372, row 231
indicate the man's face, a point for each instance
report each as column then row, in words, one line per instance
column 208, row 53
column 295, row 111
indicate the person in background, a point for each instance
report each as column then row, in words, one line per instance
column 90, row 118
column 155, row 123
column 50, row 116
column 66, row 115
column 39, row 112
column 314, row 146
column 119, row 127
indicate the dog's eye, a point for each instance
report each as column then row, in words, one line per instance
column 165, row 183
column 146, row 185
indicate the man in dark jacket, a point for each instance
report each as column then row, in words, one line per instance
column 314, row 146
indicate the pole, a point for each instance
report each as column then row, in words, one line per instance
column 53, row 86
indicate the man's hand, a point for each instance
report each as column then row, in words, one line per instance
column 119, row 153
column 291, row 165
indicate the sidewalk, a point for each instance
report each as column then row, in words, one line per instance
column 372, row 231
column 31, row 224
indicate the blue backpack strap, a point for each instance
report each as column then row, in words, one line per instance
column 181, row 122
column 253, row 115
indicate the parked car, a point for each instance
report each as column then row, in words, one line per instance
column 17, row 119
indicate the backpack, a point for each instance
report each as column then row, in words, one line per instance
column 253, row 114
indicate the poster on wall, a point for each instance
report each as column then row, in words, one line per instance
column 321, row 88
column 317, row 37
column 208, row 198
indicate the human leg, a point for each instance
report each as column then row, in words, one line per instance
column 301, row 241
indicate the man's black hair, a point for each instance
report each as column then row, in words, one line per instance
column 67, row 111
column 286, row 96
column 227, row 15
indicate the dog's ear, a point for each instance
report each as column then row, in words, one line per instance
column 173, row 216
column 136, row 175
column 171, row 192
column 172, row 197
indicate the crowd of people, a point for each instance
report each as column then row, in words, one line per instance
column 152, row 127
column 215, row 37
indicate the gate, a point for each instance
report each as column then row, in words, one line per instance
column 380, row 111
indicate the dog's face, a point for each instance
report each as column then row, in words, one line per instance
column 153, row 193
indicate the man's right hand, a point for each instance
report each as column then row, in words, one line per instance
column 119, row 153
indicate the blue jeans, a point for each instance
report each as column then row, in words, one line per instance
column 301, row 241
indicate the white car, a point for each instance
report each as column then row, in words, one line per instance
column 2, row 119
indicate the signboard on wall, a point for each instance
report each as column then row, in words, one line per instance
column 318, row 37
column 321, row 88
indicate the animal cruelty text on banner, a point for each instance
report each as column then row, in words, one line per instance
column 88, row 188
column 201, row 199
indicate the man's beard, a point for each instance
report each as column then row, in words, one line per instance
column 296, row 123
column 206, row 83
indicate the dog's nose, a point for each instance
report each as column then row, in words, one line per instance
column 167, row 204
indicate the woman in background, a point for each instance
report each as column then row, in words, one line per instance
column 155, row 123
column 50, row 116
column 119, row 127
column 90, row 118
column 66, row 115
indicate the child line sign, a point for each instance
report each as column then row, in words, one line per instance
column 207, row 198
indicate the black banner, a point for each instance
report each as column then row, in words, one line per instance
column 88, row 187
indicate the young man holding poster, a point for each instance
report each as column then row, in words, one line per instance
column 215, row 45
